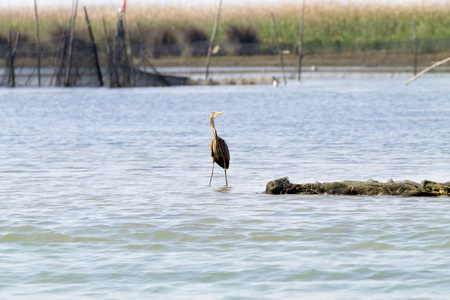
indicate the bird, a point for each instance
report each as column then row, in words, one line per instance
column 219, row 150
column 275, row 81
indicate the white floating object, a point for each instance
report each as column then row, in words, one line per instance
column 275, row 82
column 216, row 49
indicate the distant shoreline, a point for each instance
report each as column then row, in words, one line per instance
column 371, row 59
column 372, row 38
column 344, row 61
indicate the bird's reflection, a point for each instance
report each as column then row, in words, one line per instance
column 224, row 189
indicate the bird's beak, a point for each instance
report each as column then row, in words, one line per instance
column 216, row 114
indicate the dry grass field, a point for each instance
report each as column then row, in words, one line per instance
column 326, row 22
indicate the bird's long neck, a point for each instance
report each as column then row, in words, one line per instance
column 213, row 129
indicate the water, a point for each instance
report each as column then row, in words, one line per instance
column 104, row 193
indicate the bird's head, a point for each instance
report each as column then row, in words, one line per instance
column 215, row 114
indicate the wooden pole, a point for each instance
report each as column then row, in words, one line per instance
column 72, row 35
column 300, row 43
column 211, row 42
column 427, row 69
column 127, row 45
column 113, row 76
column 141, row 54
column 63, row 50
column 94, row 49
column 56, row 61
column 16, row 43
column 11, row 79
column 415, row 47
column 278, row 47
column 130, row 55
column 121, row 52
column 38, row 49
column 12, row 56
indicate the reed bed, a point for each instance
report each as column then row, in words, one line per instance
column 326, row 22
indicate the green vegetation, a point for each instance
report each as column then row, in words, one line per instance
column 327, row 24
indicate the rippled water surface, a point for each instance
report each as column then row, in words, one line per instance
column 104, row 193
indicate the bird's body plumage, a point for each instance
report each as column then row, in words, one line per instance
column 219, row 150
column 220, row 153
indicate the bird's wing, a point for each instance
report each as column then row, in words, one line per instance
column 226, row 153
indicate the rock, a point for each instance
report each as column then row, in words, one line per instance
column 410, row 182
column 437, row 188
column 277, row 186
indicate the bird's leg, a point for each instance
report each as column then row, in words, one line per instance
column 212, row 171
column 226, row 180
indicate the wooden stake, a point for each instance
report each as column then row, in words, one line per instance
column 128, row 50
column 121, row 53
column 72, row 35
column 94, row 49
column 211, row 42
column 300, row 43
column 12, row 56
column 57, row 61
column 11, row 79
column 130, row 55
column 61, row 57
column 428, row 69
column 278, row 47
column 38, row 50
column 63, row 50
column 113, row 76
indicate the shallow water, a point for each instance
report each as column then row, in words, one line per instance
column 104, row 193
